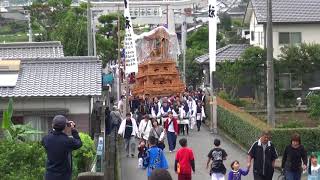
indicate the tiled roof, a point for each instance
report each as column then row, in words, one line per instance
column 288, row 11
column 230, row 52
column 20, row 50
column 67, row 76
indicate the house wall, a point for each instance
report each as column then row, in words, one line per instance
column 309, row 34
column 257, row 31
column 75, row 108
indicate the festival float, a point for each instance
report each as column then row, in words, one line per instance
column 158, row 75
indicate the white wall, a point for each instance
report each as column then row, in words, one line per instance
column 78, row 105
column 310, row 33
column 258, row 32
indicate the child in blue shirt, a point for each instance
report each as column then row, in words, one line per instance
column 155, row 157
column 236, row 172
column 314, row 168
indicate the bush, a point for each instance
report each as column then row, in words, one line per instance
column 235, row 101
column 314, row 106
column 246, row 131
column 21, row 161
column 241, row 130
column 83, row 157
column 292, row 124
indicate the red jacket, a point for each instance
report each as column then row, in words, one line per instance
column 175, row 124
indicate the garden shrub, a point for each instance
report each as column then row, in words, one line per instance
column 22, row 161
column 314, row 104
column 83, row 157
column 292, row 124
column 241, row 130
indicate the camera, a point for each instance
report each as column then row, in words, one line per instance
column 68, row 124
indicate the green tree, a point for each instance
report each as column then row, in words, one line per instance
column 107, row 36
column 253, row 62
column 56, row 20
column 231, row 75
column 194, row 71
column 301, row 61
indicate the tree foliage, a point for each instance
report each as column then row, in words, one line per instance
column 107, row 36
column 314, row 106
column 248, row 69
column 56, row 20
column 300, row 60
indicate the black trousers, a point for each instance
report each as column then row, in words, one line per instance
column 261, row 177
column 198, row 124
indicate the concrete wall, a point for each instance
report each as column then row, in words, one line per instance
column 310, row 33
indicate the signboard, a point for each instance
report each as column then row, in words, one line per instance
column 212, row 34
column 100, row 146
column 131, row 62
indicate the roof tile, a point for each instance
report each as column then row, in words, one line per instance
column 67, row 76
column 288, row 11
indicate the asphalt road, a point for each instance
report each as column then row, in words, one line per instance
column 201, row 143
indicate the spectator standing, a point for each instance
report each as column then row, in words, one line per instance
column 184, row 162
column 217, row 155
column 171, row 127
column 58, row 147
column 200, row 115
column 129, row 130
column 264, row 155
column 155, row 157
column 293, row 155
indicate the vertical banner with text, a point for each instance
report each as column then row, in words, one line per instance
column 129, row 43
column 212, row 4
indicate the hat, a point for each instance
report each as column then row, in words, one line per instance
column 59, row 122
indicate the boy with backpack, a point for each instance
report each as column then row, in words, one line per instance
column 217, row 155
column 155, row 158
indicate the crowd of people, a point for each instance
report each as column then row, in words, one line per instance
column 154, row 120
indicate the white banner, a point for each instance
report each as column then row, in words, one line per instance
column 212, row 4
column 129, row 43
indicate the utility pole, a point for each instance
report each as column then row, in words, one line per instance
column 89, row 29
column 30, row 28
column 270, row 70
column 183, row 45
column 119, row 60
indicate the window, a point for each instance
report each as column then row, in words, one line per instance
column 252, row 35
column 289, row 81
column 289, row 38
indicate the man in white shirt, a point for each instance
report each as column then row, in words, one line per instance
column 144, row 128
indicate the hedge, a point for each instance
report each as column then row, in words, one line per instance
column 242, row 131
column 246, row 132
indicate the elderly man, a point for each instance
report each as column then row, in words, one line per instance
column 58, row 147
column 264, row 155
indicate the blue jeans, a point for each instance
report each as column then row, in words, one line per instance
column 293, row 175
column 172, row 138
